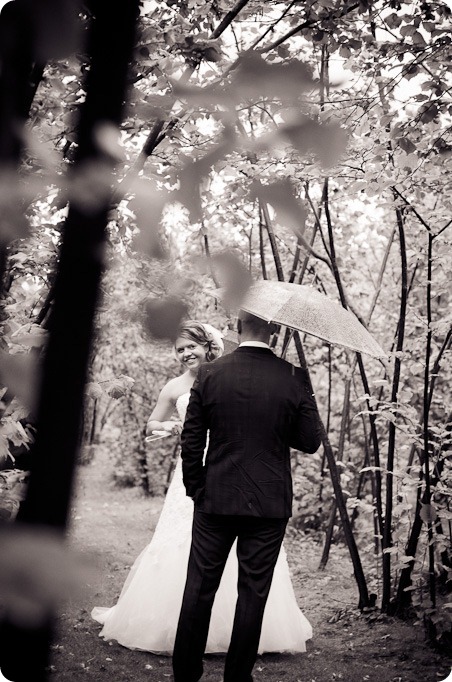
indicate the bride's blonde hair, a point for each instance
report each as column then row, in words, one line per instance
column 202, row 334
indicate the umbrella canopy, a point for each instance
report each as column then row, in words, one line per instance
column 306, row 309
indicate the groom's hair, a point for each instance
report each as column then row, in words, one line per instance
column 255, row 326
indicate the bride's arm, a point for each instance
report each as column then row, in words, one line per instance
column 160, row 415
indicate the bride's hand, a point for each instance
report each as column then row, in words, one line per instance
column 173, row 427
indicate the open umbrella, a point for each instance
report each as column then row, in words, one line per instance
column 306, row 309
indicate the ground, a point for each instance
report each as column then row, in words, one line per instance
column 112, row 525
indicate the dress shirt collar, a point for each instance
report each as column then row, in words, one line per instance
column 254, row 344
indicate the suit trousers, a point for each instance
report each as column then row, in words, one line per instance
column 258, row 543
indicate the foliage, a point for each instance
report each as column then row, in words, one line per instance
column 312, row 140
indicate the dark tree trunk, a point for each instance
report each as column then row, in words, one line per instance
column 67, row 355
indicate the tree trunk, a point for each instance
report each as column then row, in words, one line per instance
column 387, row 532
column 66, row 359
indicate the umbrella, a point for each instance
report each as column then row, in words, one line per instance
column 306, row 309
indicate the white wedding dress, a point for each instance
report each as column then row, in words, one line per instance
column 146, row 614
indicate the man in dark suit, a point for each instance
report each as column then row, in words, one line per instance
column 255, row 406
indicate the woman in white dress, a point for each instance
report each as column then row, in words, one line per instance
column 147, row 612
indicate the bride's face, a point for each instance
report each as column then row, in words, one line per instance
column 190, row 353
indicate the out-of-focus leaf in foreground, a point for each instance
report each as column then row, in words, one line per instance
column 163, row 317
column 327, row 141
column 30, row 336
column 15, row 194
column 147, row 203
column 21, row 373
column 37, row 572
column 193, row 174
column 90, row 186
column 253, row 78
column 233, row 277
column 107, row 136
column 281, row 195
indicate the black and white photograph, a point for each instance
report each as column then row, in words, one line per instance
column 225, row 341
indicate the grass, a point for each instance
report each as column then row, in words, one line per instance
column 113, row 525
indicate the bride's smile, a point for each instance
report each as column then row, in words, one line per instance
column 190, row 353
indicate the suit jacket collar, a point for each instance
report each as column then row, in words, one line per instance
column 254, row 349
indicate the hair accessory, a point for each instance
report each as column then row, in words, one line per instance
column 214, row 335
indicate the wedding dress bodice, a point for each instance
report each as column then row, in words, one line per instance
column 181, row 405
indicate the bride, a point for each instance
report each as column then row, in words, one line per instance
column 147, row 612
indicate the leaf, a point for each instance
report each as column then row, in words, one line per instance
column 418, row 39
column 328, row 142
column 118, row 387
column 407, row 30
column 155, row 106
column 428, row 513
column 193, row 174
column 30, row 335
column 94, row 390
column 147, row 204
column 393, row 20
column 406, row 144
column 428, row 113
column 90, row 186
column 281, row 195
column 37, row 572
column 21, row 374
column 15, row 432
column 406, row 558
column 234, row 278
column 107, row 136
column 14, row 196
column 163, row 317
column 253, row 78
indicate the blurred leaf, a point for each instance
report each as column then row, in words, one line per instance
column 90, row 186
column 155, row 106
column 253, row 78
column 21, row 374
column 147, row 204
column 189, row 192
column 44, row 153
column 428, row 513
column 30, row 335
column 14, row 196
column 107, row 136
column 327, row 141
column 37, row 572
column 281, row 195
column 233, row 277
column 193, row 174
column 163, row 317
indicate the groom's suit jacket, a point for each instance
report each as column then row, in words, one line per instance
column 255, row 407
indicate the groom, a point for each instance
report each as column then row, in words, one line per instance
column 255, row 406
